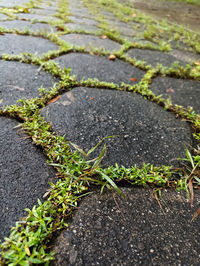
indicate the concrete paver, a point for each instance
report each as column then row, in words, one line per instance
column 92, row 66
column 16, row 44
column 93, row 41
column 131, row 231
column 21, row 81
column 83, row 115
column 23, row 25
column 181, row 92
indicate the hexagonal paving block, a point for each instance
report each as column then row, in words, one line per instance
column 153, row 57
column 19, row 80
column 109, row 230
column 180, row 91
column 16, row 44
column 91, row 66
column 141, row 130
column 94, row 41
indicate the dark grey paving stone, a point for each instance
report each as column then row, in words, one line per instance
column 2, row 16
column 44, row 11
column 181, row 91
column 23, row 25
column 109, row 230
column 143, row 131
column 75, row 26
column 153, row 57
column 89, row 40
column 16, row 44
column 80, row 20
column 124, row 29
column 76, row 8
column 11, row 3
column 24, row 175
column 34, row 16
column 49, row 5
column 186, row 56
column 91, row 66
column 19, row 80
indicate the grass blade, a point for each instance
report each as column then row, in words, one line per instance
column 111, row 182
column 189, row 156
column 78, row 148
column 94, row 148
column 100, row 158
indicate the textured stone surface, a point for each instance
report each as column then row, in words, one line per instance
column 11, row 3
column 143, row 131
column 186, row 56
column 23, row 25
column 34, row 16
column 182, row 92
column 88, row 66
column 15, row 44
column 81, row 26
column 93, row 41
column 108, row 230
column 19, row 80
column 2, row 16
column 153, row 57
column 24, row 175
column 83, row 20
column 77, row 8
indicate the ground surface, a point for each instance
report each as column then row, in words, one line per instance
column 111, row 59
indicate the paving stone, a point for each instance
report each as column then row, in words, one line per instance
column 11, row 3
column 44, row 11
column 143, row 131
column 49, row 6
column 89, row 40
column 80, row 20
column 34, row 16
column 19, row 80
column 109, row 230
column 2, row 16
column 76, row 8
column 182, row 92
column 16, row 44
column 186, row 56
column 124, row 29
column 90, row 66
column 22, row 25
column 24, row 175
column 75, row 26
column 153, row 57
